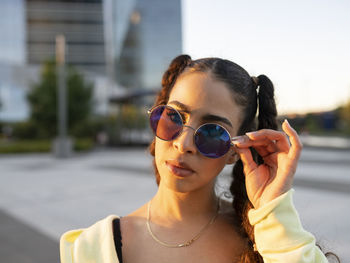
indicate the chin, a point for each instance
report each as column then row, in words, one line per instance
column 180, row 185
column 177, row 184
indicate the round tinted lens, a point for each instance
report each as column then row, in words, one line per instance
column 212, row 140
column 166, row 123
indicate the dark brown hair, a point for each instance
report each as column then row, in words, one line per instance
column 252, row 97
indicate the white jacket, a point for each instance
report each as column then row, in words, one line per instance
column 279, row 237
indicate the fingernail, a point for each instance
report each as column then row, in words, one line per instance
column 286, row 121
column 237, row 139
column 251, row 133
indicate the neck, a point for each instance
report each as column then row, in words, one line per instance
column 169, row 207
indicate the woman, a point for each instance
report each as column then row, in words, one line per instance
column 205, row 118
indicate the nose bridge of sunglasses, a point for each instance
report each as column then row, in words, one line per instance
column 189, row 127
column 186, row 137
column 183, row 131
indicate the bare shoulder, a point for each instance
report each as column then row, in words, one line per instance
column 131, row 222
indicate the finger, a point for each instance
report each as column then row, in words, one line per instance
column 247, row 159
column 279, row 137
column 240, row 140
column 296, row 145
column 262, row 151
column 264, row 147
column 245, row 142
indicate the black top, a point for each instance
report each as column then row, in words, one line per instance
column 117, row 239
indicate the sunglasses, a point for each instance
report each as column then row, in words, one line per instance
column 211, row 139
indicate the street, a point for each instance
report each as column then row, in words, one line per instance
column 41, row 197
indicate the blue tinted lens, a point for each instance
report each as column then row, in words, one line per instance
column 212, row 140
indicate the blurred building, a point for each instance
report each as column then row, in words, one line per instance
column 12, row 59
column 144, row 36
column 80, row 21
column 123, row 46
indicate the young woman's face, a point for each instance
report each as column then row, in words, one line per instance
column 201, row 95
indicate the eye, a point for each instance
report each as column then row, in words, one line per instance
column 183, row 116
column 174, row 117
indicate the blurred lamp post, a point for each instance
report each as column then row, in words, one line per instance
column 62, row 144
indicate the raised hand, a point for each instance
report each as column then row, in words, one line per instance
column 274, row 177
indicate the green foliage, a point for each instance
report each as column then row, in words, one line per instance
column 83, row 144
column 89, row 127
column 344, row 113
column 132, row 117
column 36, row 146
column 25, row 130
column 25, row 146
column 312, row 124
column 43, row 101
column 129, row 118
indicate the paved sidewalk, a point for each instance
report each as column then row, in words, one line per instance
column 325, row 141
column 20, row 243
column 41, row 197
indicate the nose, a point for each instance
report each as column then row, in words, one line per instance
column 184, row 143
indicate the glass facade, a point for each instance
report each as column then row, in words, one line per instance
column 80, row 21
column 12, row 32
column 161, row 31
column 12, row 61
column 148, row 38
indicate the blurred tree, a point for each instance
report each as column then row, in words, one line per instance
column 43, row 100
column 312, row 123
column 344, row 112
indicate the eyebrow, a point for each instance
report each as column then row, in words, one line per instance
column 206, row 117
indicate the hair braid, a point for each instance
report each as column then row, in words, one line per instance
column 266, row 120
column 267, row 105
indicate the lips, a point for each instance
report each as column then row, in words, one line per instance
column 179, row 168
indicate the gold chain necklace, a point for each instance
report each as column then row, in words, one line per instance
column 186, row 244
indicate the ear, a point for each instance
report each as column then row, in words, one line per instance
column 234, row 157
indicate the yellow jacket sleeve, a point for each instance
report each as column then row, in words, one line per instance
column 279, row 235
column 94, row 244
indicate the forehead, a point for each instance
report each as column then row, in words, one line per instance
column 204, row 95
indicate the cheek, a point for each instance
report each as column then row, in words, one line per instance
column 210, row 168
column 156, row 149
column 160, row 149
column 217, row 165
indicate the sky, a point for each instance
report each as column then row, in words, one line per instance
column 302, row 46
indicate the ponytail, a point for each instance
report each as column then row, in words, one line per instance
column 267, row 119
column 267, row 105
